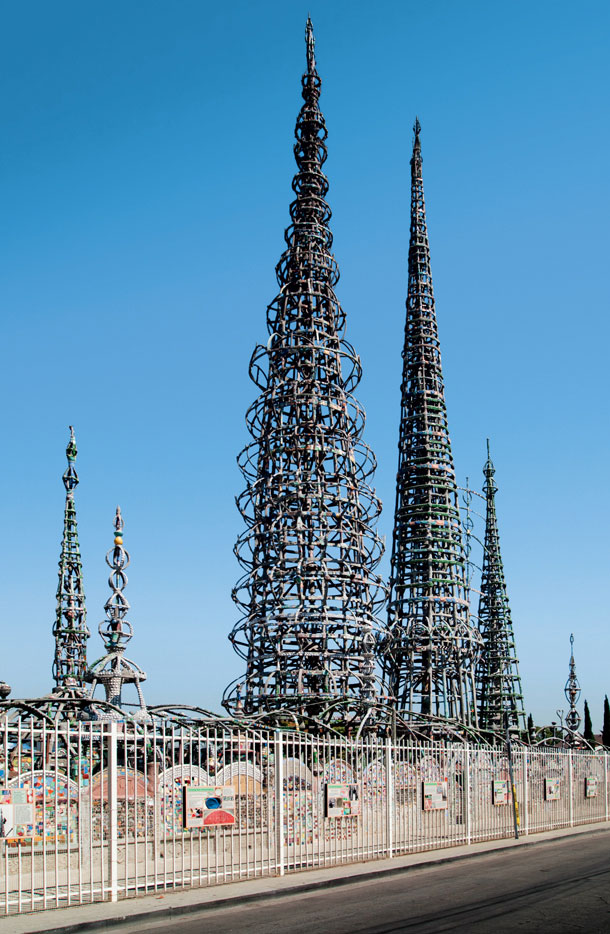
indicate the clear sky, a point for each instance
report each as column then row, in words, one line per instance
column 145, row 183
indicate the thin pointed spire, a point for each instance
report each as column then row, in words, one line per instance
column 499, row 689
column 311, row 47
column 416, row 138
column 429, row 660
column 70, row 629
column 308, row 238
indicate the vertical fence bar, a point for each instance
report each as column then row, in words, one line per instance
column 526, row 807
column 279, row 803
column 55, row 800
column 113, row 849
column 468, row 795
column 606, row 783
column 390, row 803
column 4, row 849
column 571, row 786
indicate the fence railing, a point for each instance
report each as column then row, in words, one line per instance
column 101, row 811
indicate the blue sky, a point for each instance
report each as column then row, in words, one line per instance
column 145, row 183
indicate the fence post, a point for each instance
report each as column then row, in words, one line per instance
column 113, row 843
column 279, row 803
column 390, row 809
column 511, row 772
column 467, row 794
column 571, row 786
column 606, row 782
column 526, row 792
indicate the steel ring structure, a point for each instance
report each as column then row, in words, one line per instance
column 309, row 595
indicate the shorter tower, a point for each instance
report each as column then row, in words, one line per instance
column 70, row 629
column 113, row 670
column 429, row 659
column 572, row 693
column 498, row 683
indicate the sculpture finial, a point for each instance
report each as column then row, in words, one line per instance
column 572, row 693
column 417, row 131
column 416, row 158
column 311, row 43
column 70, row 477
column 114, row 671
column 116, row 629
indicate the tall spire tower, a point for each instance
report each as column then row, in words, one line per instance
column 70, row 629
column 498, row 683
column 309, row 595
column 430, row 658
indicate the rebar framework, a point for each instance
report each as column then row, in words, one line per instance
column 70, row 629
column 309, row 595
column 113, row 670
column 499, row 691
column 572, row 693
column 429, row 660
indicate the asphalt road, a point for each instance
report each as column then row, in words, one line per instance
column 560, row 887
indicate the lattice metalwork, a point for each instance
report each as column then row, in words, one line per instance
column 498, row 683
column 572, row 693
column 430, row 659
column 70, row 629
column 309, row 594
column 113, row 670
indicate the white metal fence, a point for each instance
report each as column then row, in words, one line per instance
column 107, row 805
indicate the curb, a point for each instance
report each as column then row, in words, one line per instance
column 298, row 889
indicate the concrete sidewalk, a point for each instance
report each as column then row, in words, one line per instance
column 172, row 904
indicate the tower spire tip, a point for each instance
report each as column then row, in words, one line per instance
column 416, row 139
column 311, row 43
column 71, row 450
